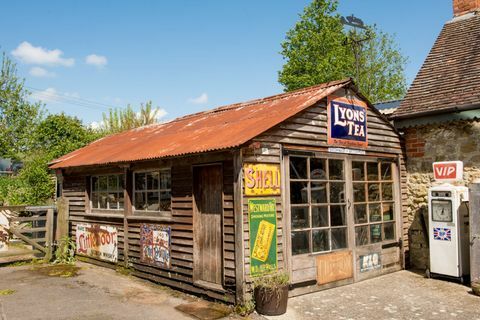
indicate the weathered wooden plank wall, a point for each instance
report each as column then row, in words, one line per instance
column 180, row 275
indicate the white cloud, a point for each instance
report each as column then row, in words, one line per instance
column 201, row 99
column 51, row 95
column 29, row 54
column 47, row 95
column 96, row 60
column 41, row 72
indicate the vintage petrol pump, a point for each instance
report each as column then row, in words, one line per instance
column 448, row 223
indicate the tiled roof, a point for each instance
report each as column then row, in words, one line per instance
column 222, row 128
column 450, row 76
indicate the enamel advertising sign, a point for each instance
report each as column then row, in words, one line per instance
column 347, row 122
column 155, row 244
column 448, row 171
column 98, row 241
column 262, row 216
column 261, row 179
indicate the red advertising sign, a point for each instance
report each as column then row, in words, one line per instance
column 448, row 170
column 347, row 122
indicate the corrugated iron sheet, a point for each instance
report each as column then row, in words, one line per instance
column 217, row 129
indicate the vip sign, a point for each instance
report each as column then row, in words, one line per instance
column 448, row 170
column 347, row 122
column 261, row 179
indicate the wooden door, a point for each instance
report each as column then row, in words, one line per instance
column 207, row 225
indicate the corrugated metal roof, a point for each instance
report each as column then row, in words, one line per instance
column 221, row 128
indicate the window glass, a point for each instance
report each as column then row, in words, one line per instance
column 386, row 171
column 372, row 171
column 337, row 193
column 152, row 191
column 358, row 171
column 317, row 198
column 339, row 238
column 360, row 213
column 107, row 192
column 337, row 216
column 298, row 192
column 335, row 169
column 387, row 191
column 361, row 235
column 298, row 168
column 318, row 169
column 319, row 216
column 300, row 242
column 359, row 192
column 377, row 204
column 321, row 240
column 300, row 218
column 319, row 192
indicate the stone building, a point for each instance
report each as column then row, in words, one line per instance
column 440, row 117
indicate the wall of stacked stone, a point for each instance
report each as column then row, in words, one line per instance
column 426, row 144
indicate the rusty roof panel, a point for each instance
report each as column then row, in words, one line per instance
column 220, row 128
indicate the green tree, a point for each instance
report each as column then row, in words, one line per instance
column 59, row 134
column 18, row 116
column 318, row 49
column 118, row 120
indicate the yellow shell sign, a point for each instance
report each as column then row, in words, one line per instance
column 261, row 179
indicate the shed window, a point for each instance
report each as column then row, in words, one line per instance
column 318, row 210
column 373, row 202
column 107, row 192
column 152, row 190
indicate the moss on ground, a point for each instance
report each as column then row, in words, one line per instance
column 57, row 270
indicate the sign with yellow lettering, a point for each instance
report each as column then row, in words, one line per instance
column 261, row 179
column 262, row 216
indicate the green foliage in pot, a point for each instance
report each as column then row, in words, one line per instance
column 271, row 285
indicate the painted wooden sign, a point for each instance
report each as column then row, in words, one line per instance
column 261, row 179
column 370, row 262
column 334, row 267
column 155, row 244
column 97, row 241
column 448, row 171
column 262, row 217
column 347, row 122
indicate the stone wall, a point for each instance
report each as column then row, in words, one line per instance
column 424, row 145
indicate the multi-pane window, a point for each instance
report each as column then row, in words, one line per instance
column 152, row 190
column 373, row 202
column 317, row 199
column 107, row 192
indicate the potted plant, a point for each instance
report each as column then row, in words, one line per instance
column 271, row 294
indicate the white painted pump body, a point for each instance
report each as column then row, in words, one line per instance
column 449, row 230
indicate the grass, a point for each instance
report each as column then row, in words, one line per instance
column 58, row 270
column 6, row 292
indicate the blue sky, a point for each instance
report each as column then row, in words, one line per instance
column 185, row 56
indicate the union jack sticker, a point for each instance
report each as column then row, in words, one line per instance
column 444, row 234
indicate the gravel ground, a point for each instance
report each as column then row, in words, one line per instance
column 400, row 295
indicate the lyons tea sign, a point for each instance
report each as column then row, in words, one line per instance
column 347, row 122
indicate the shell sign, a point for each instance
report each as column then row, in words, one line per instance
column 347, row 122
column 261, row 179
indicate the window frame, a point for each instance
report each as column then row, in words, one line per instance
column 311, row 205
column 382, row 203
column 159, row 190
column 121, row 184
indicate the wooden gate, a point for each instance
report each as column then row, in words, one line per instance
column 34, row 226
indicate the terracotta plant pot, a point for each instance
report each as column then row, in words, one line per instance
column 271, row 302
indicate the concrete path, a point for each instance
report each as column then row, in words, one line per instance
column 401, row 295
column 96, row 293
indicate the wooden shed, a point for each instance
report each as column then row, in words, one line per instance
column 310, row 182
